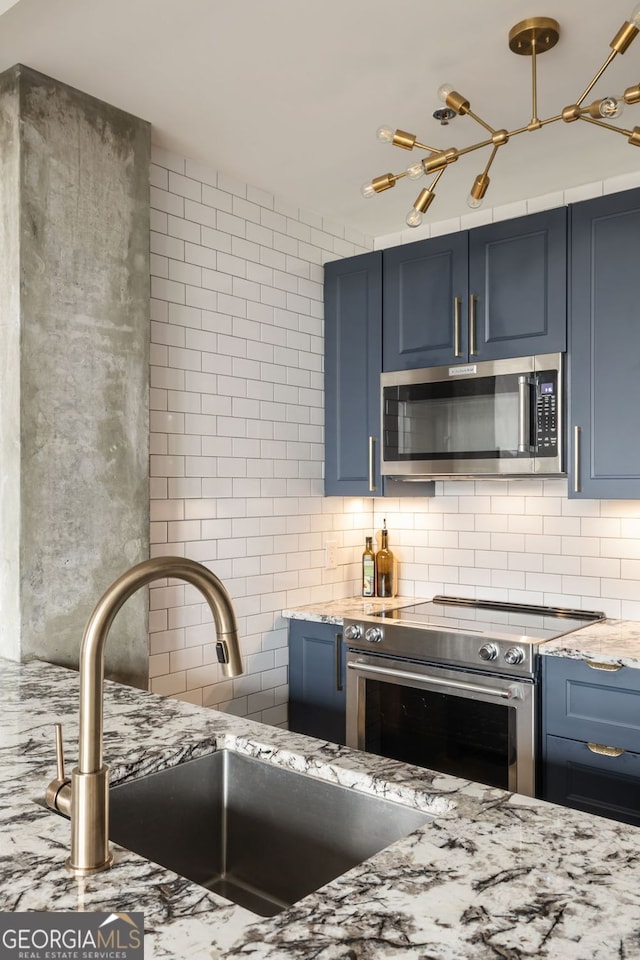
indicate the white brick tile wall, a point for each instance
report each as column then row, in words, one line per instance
column 530, row 545
column 237, row 427
column 237, row 449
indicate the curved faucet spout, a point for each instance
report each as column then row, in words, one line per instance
column 87, row 799
column 99, row 624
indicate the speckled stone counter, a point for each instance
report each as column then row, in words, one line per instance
column 492, row 875
column 334, row 611
column 610, row 641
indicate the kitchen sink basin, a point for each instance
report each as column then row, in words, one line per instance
column 255, row 833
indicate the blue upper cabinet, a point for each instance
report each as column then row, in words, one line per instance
column 492, row 292
column 353, row 356
column 352, row 367
column 518, row 286
column 424, row 296
column 604, row 348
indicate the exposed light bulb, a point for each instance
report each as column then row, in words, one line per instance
column 415, row 171
column 385, row 134
column 367, row 190
column 478, row 190
column 635, row 16
column 414, row 218
column 610, row 108
column 444, row 90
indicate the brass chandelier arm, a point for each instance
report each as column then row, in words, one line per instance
column 491, row 159
column 475, row 146
column 607, row 126
column 424, row 146
column 602, row 69
column 479, row 120
column 529, row 128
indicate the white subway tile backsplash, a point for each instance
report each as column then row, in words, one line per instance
column 236, row 416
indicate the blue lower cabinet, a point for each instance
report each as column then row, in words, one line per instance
column 317, row 680
column 605, row 783
column 591, row 737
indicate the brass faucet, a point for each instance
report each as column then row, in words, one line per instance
column 84, row 797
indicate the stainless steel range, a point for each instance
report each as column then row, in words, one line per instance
column 451, row 684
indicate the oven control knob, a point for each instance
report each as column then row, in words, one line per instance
column 488, row 651
column 352, row 632
column 373, row 635
column 514, row 655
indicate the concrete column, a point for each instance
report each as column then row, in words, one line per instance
column 74, row 352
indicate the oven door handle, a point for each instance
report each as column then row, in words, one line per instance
column 512, row 692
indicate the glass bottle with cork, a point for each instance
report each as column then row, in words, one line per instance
column 385, row 566
column 369, row 570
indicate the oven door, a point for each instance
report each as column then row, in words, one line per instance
column 465, row 724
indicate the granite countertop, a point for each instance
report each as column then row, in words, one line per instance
column 609, row 641
column 492, row 875
column 334, row 611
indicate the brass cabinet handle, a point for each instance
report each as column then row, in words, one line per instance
column 603, row 666
column 604, row 751
column 372, row 464
column 472, row 326
column 456, row 326
column 338, row 652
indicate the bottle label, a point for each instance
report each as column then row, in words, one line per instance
column 368, row 577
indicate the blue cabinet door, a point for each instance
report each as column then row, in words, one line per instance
column 317, row 680
column 604, row 348
column 591, row 738
column 352, row 366
column 592, row 704
column 425, row 303
column 353, row 357
column 518, row 286
column 606, row 785
column 496, row 291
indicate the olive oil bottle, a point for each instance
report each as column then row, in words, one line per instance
column 369, row 570
column 385, row 567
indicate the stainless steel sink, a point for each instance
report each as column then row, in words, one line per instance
column 255, row 833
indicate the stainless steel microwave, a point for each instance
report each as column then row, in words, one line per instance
column 500, row 418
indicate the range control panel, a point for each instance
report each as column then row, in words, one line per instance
column 455, row 646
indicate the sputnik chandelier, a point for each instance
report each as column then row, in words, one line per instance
column 528, row 38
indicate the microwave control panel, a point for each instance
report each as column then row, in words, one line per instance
column 547, row 412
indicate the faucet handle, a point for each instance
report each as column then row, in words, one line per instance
column 59, row 752
column 58, row 793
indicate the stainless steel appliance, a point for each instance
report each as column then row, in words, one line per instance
column 451, row 684
column 488, row 419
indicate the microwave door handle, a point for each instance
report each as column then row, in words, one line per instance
column 524, row 414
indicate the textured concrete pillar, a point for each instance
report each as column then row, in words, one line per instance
column 74, row 295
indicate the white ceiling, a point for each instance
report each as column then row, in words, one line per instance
column 287, row 94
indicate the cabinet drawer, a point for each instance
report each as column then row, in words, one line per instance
column 577, row 777
column 588, row 704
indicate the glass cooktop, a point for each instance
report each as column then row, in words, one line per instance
column 492, row 617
